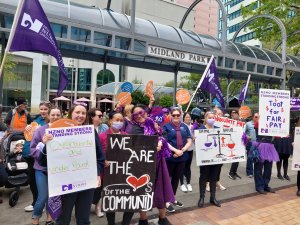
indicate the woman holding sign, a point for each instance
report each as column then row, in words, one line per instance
column 209, row 173
column 81, row 200
column 163, row 193
column 37, row 150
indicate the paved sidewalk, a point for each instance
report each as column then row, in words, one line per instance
column 283, row 207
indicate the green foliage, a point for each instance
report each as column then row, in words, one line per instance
column 137, row 81
column 267, row 30
column 9, row 67
column 165, row 101
column 138, row 97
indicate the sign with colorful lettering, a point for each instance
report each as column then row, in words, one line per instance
column 218, row 146
column 296, row 152
column 224, row 122
column 71, row 160
column 129, row 179
column 295, row 104
column 274, row 111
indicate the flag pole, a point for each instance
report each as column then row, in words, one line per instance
column 246, row 88
column 12, row 33
column 200, row 82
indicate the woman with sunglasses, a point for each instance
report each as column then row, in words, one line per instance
column 179, row 139
column 209, row 173
column 143, row 125
column 116, row 123
column 41, row 120
column 82, row 200
column 95, row 118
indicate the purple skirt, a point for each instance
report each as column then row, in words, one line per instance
column 163, row 191
column 267, row 152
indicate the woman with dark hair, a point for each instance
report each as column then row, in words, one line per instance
column 187, row 169
column 82, row 200
column 115, row 122
column 298, row 173
column 179, row 139
column 209, row 173
column 143, row 125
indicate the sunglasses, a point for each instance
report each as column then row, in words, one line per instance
column 100, row 116
column 176, row 115
column 140, row 113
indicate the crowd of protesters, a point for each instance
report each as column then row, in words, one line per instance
column 174, row 159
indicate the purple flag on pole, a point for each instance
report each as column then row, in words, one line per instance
column 211, row 83
column 243, row 93
column 34, row 34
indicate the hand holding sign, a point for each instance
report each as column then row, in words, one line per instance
column 124, row 98
column 28, row 133
column 183, row 97
column 149, row 89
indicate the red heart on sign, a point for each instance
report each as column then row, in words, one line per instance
column 136, row 183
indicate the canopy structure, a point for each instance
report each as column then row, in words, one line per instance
column 111, row 37
column 105, row 100
column 61, row 98
column 83, row 99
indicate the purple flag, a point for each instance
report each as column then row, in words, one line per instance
column 210, row 82
column 243, row 93
column 34, row 34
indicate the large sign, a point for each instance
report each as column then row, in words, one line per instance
column 177, row 55
column 296, row 153
column 224, row 122
column 129, row 179
column 71, row 160
column 218, row 146
column 274, row 111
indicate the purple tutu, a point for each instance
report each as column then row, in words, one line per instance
column 267, row 152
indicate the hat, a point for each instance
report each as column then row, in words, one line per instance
column 165, row 110
column 21, row 101
column 22, row 142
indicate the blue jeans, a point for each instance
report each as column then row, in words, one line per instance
column 42, row 199
column 249, row 166
column 262, row 175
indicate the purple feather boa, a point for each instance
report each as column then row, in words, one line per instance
column 245, row 139
column 150, row 129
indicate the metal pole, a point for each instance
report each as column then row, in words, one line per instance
column 227, row 93
column 132, row 14
column 175, row 85
column 49, row 77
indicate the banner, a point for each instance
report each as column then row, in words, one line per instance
column 274, row 111
column 296, row 153
column 218, row 146
column 71, row 160
column 295, row 104
column 224, row 122
column 33, row 33
column 129, row 179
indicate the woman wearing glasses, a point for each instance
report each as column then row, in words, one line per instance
column 179, row 139
column 209, row 173
column 163, row 193
column 95, row 118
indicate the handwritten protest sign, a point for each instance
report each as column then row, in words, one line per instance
column 274, row 111
column 71, row 160
column 295, row 104
column 218, row 146
column 224, row 122
column 296, row 153
column 129, row 179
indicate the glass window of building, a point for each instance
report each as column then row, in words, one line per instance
column 84, row 79
column 102, row 39
column 8, row 20
column 105, row 77
column 54, row 78
column 59, row 30
column 122, row 42
column 79, row 34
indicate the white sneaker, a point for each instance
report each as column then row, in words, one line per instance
column 98, row 212
column 207, row 187
column 222, row 188
column 28, row 208
column 189, row 187
column 183, row 188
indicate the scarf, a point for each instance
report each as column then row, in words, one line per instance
column 178, row 135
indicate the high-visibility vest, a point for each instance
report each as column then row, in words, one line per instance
column 18, row 122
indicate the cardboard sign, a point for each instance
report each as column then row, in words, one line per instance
column 124, row 98
column 274, row 111
column 244, row 112
column 127, row 87
column 218, row 146
column 183, row 97
column 224, row 122
column 29, row 133
column 295, row 104
column 71, row 160
column 296, row 152
column 64, row 123
column 149, row 89
column 129, row 179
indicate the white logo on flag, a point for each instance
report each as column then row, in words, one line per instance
column 28, row 23
column 210, row 76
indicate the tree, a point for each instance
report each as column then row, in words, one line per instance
column 138, row 97
column 137, row 81
column 267, row 31
column 165, row 101
column 9, row 69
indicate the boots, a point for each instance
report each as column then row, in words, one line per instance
column 202, row 186
column 213, row 199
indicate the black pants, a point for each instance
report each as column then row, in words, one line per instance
column 210, row 173
column 97, row 193
column 82, row 201
column 187, row 169
column 219, row 172
column 284, row 162
column 3, row 175
column 175, row 171
column 31, row 179
column 233, row 168
column 298, row 180
column 127, row 216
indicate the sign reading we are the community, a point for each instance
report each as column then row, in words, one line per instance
column 296, row 152
column 274, row 111
column 71, row 160
column 129, row 178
